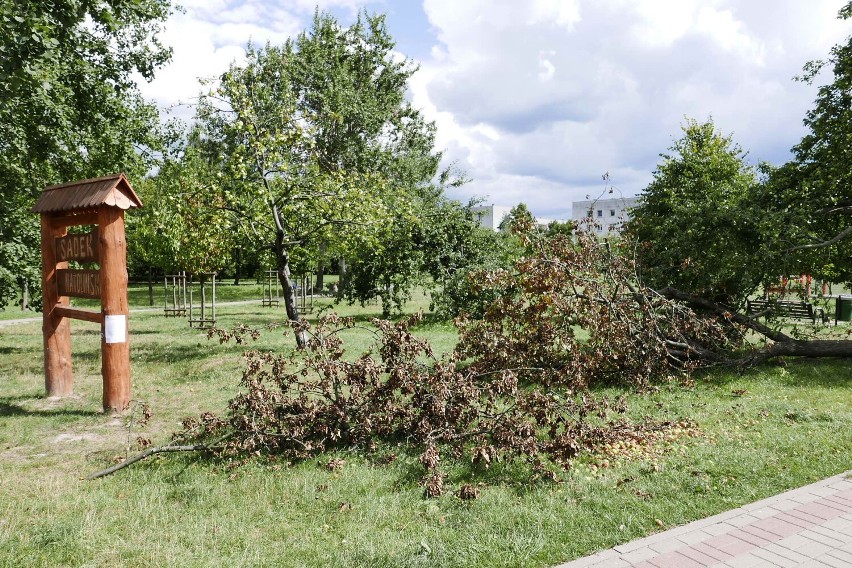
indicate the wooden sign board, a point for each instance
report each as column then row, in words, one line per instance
column 82, row 248
column 79, row 283
column 102, row 202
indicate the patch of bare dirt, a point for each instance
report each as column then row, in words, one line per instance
column 67, row 437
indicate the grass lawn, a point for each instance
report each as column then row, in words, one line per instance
column 762, row 432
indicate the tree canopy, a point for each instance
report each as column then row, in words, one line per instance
column 694, row 224
column 814, row 191
column 70, row 107
column 180, row 228
column 315, row 146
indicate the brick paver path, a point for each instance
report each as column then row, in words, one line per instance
column 809, row 527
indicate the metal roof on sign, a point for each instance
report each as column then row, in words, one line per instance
column 114, row 191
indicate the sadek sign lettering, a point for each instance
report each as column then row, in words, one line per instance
column 82, row 248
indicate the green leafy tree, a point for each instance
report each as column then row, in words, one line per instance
column 354, row 99
column 694, row 224
column 70, row 108
column 349, row 86
column 432, row 248
column 180, row 230
column 520, row 213
column 463, row 251
column 316, row 144
column 813, row 193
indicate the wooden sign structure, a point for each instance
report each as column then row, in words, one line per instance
column 101, row 202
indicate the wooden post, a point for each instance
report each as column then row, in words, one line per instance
column 115, row 345
column 58, row 380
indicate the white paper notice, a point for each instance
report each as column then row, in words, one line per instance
column 115, row 329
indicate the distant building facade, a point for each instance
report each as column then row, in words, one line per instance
column 604, row 216
column 491, row 216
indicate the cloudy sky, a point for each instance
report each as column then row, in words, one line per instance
column 536, row 99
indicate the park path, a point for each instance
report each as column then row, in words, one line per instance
column 5, row 323
column 809, row 527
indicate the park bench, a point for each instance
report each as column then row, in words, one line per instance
column 787, row 309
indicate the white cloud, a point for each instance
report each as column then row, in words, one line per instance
column 660, row 22
column 536, row 99
column 729, row 33
column 546, row 69
column 211, row 34
column 606, row 85
column 563, row 13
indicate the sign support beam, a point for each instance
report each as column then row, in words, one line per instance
column 58, row 379
column 115, row 347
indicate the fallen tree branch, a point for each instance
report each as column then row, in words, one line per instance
column 812, row 348
column 798, row 348
column 704, row 303
column 159, row 450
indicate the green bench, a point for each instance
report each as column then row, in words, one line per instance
column 786, row 309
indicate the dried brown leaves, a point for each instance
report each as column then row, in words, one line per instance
column 318, row 400
column 568, row 316
column 573, row 313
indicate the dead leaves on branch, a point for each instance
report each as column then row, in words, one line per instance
column 569, row 315
column 572, row 313
column 319, row 400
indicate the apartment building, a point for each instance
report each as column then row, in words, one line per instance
column 603, row 215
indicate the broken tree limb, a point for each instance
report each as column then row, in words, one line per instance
column 815, row 348
column 782, row 345
column 159, row 450
column 725, row 311
column 811, row 348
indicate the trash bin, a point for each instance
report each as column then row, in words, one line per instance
column 843, row 308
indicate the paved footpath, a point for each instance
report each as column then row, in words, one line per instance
column 809, row 527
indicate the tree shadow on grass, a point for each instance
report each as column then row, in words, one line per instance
column 14, row 350
column 9, row 409
column 790, row 372
column 152, row 353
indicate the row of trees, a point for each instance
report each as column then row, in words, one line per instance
column 305, row 154
column 308, row 153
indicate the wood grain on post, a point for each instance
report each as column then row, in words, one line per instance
column 58, row 379
column 115, row 345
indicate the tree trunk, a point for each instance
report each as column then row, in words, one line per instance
column 202, row 280
column 318, row 286
column 25, row 296
column 150, row 286
column 783, row 345
column 238, row 256
column 725, row 311
column 282, row 262
column 812, row 348
column 341, row 271
column 320, row 277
